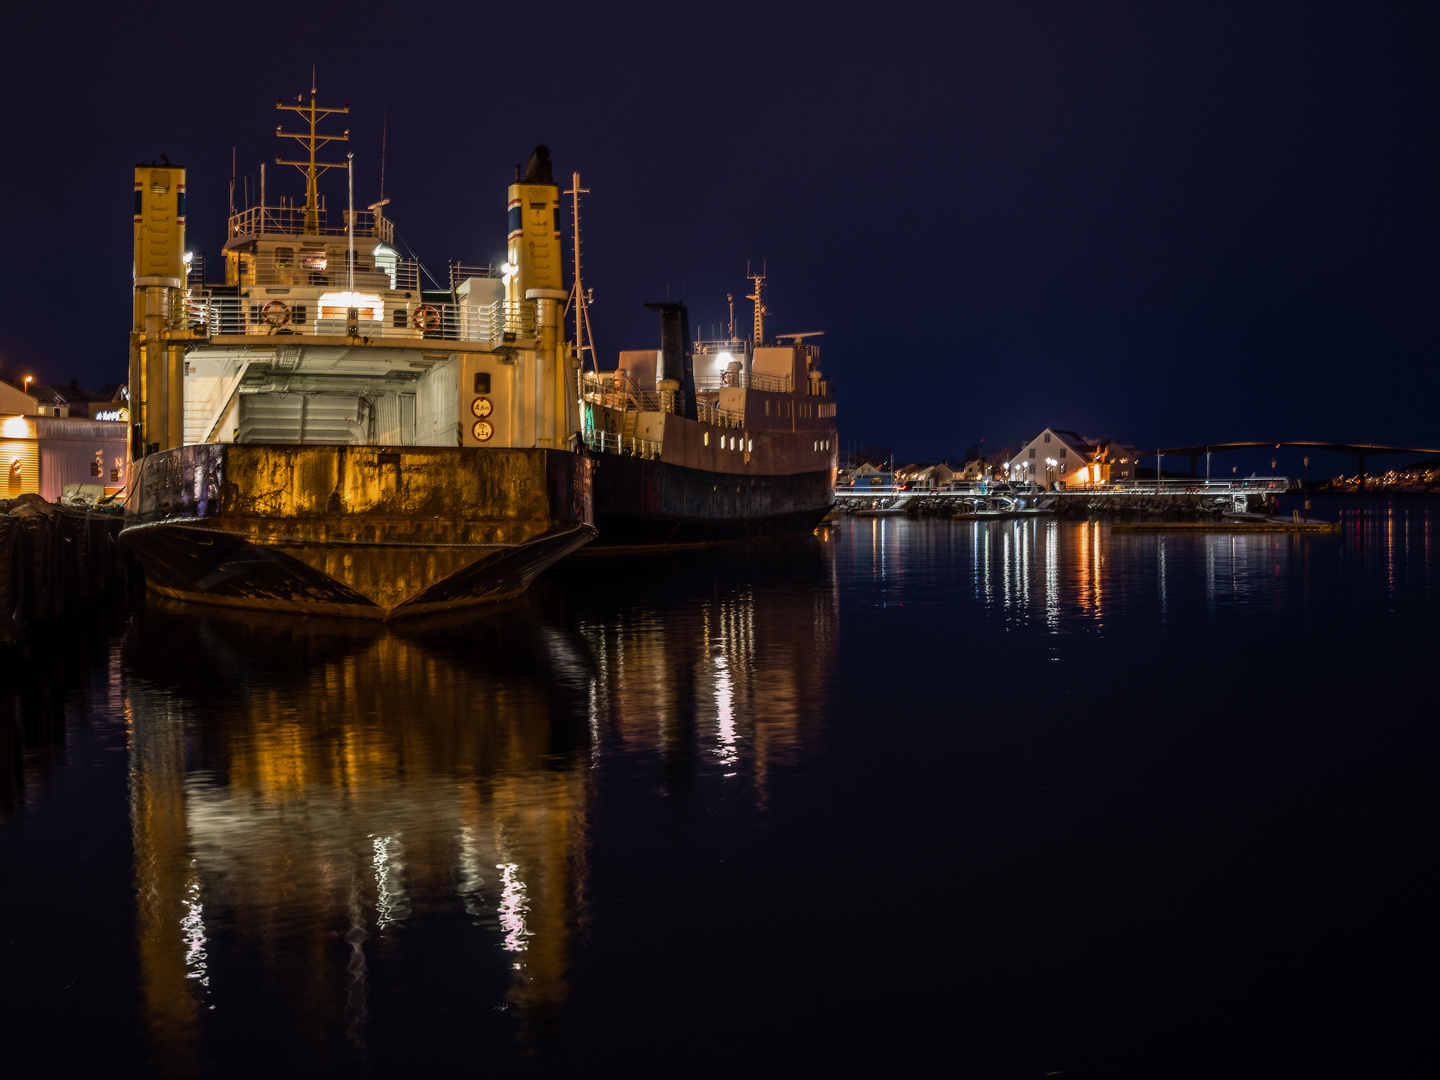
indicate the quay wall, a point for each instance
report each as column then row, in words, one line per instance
column 1184, row 504
column 1198, row 503
column 54, row 561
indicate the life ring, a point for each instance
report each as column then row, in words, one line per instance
column 426, row 318
column 276, row 313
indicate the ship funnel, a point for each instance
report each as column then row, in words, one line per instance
column 159, row 226
column 156, row 378
column 675, row 359
column 533, row 233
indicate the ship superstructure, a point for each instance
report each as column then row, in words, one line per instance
column 321, row 432
column 709, row 441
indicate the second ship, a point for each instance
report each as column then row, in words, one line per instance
column 710, row 441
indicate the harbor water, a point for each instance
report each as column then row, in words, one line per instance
column 1006, row 798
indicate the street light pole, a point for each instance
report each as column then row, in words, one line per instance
column 1305, row 488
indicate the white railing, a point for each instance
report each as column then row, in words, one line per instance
column 500, row 322
column 616, row 390
column 321, row 270
column 461, row 271
column 1181, row 486
column 775, row 384
column 708, row 413
column 290, row 221
column 612, row 442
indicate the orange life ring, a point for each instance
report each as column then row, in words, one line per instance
column 426, row 318
column 276, row 313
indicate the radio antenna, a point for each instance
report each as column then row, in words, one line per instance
column 384, row 128
column 584, row 339
column 758, row 297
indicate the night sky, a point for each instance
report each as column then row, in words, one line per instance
column 1165, row 223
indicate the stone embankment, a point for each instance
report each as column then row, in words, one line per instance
column 1197, row 503
column 1170, row 504
column 55, row 561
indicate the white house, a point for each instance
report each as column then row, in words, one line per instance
column 1051, row 459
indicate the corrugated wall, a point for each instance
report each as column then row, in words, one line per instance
column 437, row 406
column 19, row 467
column 69, row 450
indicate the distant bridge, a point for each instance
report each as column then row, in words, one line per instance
column 1360, row 450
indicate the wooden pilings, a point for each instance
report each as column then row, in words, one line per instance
column 54, row 561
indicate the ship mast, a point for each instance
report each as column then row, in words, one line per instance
column 584, row 339
column 312, row 142
column 759, row 280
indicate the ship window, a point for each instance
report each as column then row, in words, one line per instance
column 398, row 319
column 283, row 257
column 482, row 382
column 298, row 313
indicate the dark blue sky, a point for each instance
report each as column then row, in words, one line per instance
column 1166, row 223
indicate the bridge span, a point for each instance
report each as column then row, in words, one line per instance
column 1360, row 450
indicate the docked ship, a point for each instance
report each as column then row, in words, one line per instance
column 319, row 433
column 710, row 441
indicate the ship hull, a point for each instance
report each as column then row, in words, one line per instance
column 367, row 532
column 641, row 502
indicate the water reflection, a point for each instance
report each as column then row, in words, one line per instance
column 311, row 798
column 1075, row 575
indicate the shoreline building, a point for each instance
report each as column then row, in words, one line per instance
column 1056, row 459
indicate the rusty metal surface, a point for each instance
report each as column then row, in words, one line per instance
column 356, row 530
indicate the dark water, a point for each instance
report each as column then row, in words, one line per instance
column 983, row 799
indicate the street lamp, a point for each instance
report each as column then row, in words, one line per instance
column 1305, row 487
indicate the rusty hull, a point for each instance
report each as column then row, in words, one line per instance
column 372, row 532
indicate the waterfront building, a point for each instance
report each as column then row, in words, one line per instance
column 14, row 401
column 1051, row 459
column 76, row 402
column 43, row 455
column 927, row 477
column 1056, row 459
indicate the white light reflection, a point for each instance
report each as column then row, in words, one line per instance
column 1052, row 576
column 470, row 879
column 514, row 905
column 725, row 714
column 391, row 903
column 1164, row 600
column 192, row 931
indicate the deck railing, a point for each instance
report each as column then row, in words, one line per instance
column 290, row 221
column 502, row 321
column 754, row 380
column 612, row 442
column 462, row 271
column 302, row 269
